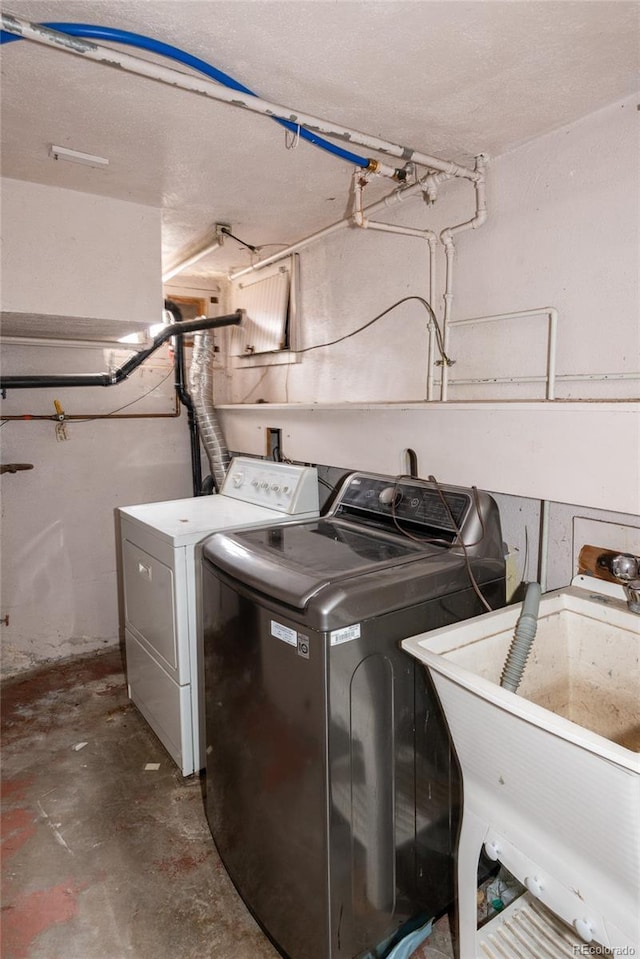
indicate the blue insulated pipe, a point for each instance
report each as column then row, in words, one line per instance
column 525, row 632
column 90, row 32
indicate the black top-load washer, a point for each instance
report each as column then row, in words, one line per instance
column 332, row 792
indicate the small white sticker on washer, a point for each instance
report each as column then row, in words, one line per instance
column 284, row 633
column 345, row 635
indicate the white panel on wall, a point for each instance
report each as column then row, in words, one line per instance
column 75, row 254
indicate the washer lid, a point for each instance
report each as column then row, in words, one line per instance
column 294, row 562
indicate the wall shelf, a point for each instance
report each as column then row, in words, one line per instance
column 585, row 453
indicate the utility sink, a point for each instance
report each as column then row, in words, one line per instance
column 551, row 773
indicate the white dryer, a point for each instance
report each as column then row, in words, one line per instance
column 159, row 562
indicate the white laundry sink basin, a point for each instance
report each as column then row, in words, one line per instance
column 583, row 665
column 551, row 773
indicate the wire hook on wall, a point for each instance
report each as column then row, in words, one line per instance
column 292, row 141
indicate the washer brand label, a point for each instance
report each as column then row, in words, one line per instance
column 337, row 636
column 284, row 633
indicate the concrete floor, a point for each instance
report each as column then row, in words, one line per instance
column 104, row 858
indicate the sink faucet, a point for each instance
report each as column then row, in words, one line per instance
column 626, row 569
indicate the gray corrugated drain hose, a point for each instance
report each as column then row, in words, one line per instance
column 201, row 388
column 524, row 635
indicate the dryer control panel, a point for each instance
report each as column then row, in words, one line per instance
column 280, row 486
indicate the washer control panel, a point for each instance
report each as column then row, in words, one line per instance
column 439, row 510
column 425, row 509
column 281, row 486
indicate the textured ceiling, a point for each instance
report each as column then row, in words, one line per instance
column 452, row 79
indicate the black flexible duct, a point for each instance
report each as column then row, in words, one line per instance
column 44, row 381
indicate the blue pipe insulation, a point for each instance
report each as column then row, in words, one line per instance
column 91, row 32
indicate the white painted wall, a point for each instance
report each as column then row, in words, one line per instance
column 69, row 253
column 76, row 254
column 563, row 231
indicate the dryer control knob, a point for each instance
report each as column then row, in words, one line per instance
column 238, row 480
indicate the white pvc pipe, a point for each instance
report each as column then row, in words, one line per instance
column 195, row 84
column 431, row 240
column 552, row 336
column 179, row 267
column 446, row 238
column 391, row 228
column 562, row 378
column 362, row 221
column 402, row 193
column 449, row 252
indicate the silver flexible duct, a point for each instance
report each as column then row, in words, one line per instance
column 201, row 389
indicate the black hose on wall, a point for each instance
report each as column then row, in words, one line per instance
column 185, row 398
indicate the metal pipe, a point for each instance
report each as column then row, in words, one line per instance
column 38, row 381
column 28, row 417
column 155, row 71
column 210, row 428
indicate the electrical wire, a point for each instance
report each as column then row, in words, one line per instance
column 285, row 459
column 420, row 299
column 92, row 419
column 441, row 542
column 462, row 543
column 226, row 232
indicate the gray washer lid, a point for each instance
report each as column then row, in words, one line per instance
column 294, row 562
